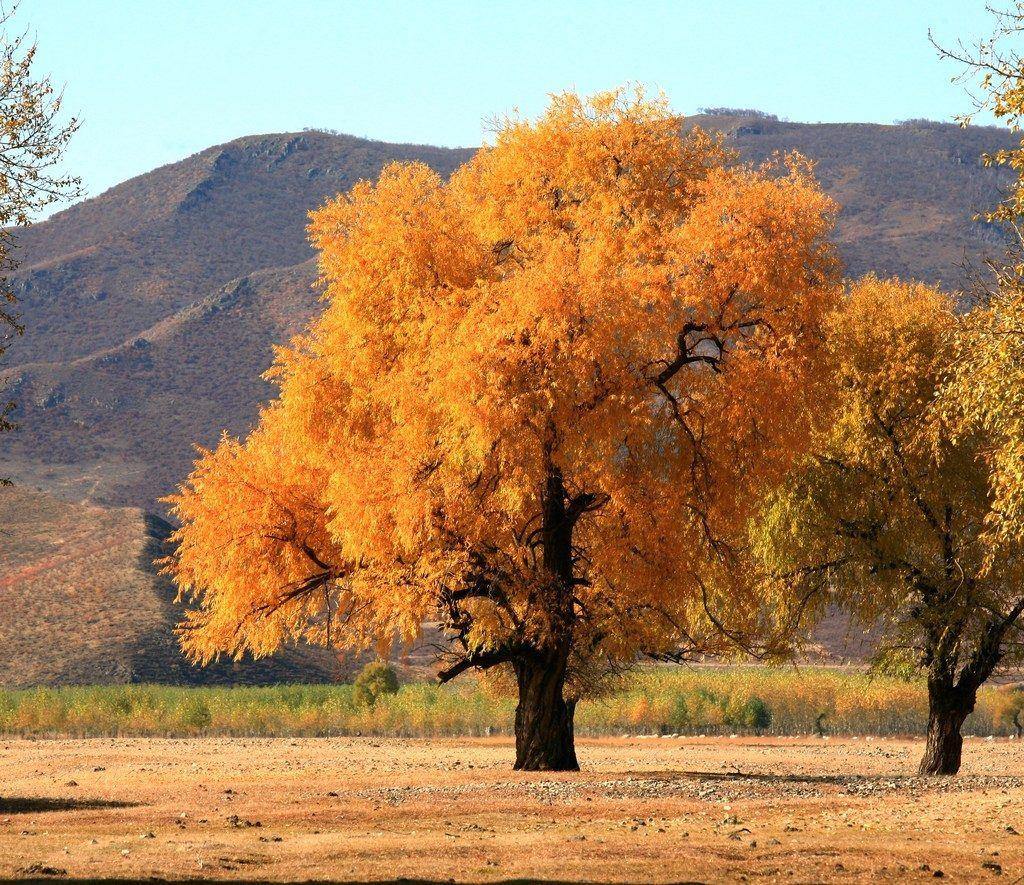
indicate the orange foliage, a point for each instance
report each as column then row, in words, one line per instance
column 538, row 405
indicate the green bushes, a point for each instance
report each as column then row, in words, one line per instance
column 195, row 714
column 751, row 714
column 375, row 680
column 418, row 709
column 748, row 700
column 679, row 714
column 759, row 700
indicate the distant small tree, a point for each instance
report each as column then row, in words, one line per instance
column 33, row 139
column 752, row 713
column 375, row 679
column 889, row 517
column 739, row 112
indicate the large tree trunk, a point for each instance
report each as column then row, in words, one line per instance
column 544, row 727
column 947, row 710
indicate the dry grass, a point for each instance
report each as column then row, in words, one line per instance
column 665, row 700
column 793, row 810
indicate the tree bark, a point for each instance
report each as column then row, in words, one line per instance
column 947, row 710
column 544, row 726
column 544, row 719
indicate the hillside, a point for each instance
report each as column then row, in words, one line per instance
column 152, row 309
column 84, row 604
column 909, row 193
column 105, row 270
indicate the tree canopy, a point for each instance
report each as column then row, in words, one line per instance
column 887, row 515
column 537, row 407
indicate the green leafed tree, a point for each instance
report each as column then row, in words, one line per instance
column 889, row 516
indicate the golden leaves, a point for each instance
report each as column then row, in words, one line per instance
column 986, row 401
column 597, row 291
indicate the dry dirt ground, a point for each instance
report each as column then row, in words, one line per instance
column 659, row 810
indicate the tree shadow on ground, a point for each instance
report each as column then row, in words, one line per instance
column 41, row 804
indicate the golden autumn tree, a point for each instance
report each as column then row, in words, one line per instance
column 887, row 514
column 536, row 408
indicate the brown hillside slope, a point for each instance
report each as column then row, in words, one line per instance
column 106, row 269
column 83, row 604
column 909, row 193
column 152, row 309
column 121, row 424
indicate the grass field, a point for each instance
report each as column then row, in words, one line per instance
column 741, row 700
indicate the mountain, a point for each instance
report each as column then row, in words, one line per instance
column 909, row 193
column 152, row 309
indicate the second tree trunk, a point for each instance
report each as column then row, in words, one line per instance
column 944, row 745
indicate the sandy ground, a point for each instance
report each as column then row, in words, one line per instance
column 660, row 810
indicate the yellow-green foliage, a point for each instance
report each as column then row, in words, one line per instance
column 727, row 700
column 418, row 709
column 375, row 679
column 657, row 700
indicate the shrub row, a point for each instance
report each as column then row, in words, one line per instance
column 745, row 700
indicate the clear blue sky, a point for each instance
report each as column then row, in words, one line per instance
column 157, row 80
